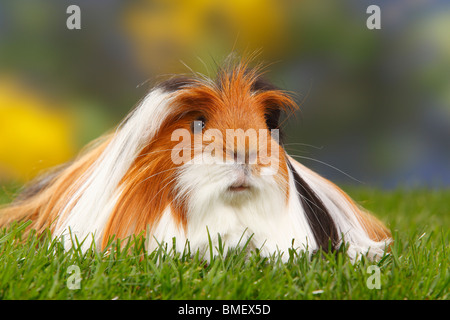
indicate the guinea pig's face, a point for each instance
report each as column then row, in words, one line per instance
column 224, row 140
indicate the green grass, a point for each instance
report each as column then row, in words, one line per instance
column 417, row 267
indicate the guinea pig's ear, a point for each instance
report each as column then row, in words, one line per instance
column 272, row 116
column 274, row 101
column 272, row 111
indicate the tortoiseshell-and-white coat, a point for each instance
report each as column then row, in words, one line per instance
column 125, row 182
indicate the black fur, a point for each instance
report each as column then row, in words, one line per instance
column 320, row 221
column 176, row 83
column 39, row 184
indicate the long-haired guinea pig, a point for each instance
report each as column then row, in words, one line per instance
column 195, row 160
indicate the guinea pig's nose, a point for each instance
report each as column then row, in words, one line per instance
column 244, row 156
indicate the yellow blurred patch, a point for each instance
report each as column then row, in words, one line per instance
column 164, row 31
column 33, row 136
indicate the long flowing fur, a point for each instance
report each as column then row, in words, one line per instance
column 125, row 183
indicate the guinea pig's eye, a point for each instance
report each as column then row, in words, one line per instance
column 198, row 125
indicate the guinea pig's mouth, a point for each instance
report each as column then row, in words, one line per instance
column 238, row 188
column 241, row 181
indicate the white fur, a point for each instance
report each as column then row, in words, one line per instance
column 262, row 212
column 213, row 210
column 343, row 215
column 92, row 202
column 275, row 226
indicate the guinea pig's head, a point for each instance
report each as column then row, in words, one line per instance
column 225, row 137
column 218, row 143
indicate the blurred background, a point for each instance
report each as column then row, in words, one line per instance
column 375, row 104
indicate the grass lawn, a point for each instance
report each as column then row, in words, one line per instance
column 416, row 268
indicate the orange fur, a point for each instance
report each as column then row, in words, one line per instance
column 148, row 187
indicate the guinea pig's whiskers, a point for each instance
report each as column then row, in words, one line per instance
column 165, row 186
column 309, row 202
column 327, row 164
column 158, row 173
column 302, row 144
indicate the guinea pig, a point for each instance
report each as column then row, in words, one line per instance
column 199, row 159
